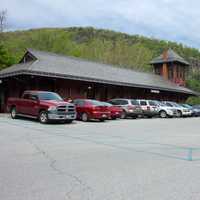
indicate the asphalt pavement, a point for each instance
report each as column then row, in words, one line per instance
column 153, row 159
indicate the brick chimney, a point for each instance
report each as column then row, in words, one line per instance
column 165, row 67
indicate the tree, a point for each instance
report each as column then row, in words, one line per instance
column 5, row 58
column 194, row 81
column 3, row 18
column 193, row 100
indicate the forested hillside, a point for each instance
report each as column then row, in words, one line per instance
column 120, row 49
column 129, row 51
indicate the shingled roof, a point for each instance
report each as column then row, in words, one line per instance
column 60, row 66
column 169, row 56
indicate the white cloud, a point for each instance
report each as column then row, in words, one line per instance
column 166, row 19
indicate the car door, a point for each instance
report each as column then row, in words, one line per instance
column 23, row 104
column 144, row 106
column 33, row 105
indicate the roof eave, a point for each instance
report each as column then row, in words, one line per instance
column 169, row 61
column 70, row 77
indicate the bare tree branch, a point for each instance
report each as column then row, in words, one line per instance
column 3, row 18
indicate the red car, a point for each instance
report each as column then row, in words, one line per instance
column 115, row 111
column 88, row 109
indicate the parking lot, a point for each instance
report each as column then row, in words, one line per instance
column 150, row 159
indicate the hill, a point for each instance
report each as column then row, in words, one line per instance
column 129, row 51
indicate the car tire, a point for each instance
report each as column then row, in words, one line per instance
column 43, row 117
column 101, row 120
column 84, row 117
column 113, row 118
column 179, row 113
column 163, row 114
column 123, row 115
column 13, row 113
column 134, row 117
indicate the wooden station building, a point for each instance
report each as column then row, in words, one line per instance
column 78, row 78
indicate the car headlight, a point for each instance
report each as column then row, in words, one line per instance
column 52, row 108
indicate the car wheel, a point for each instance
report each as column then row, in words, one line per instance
column 123, row 115
column 163, row 114
column 134, row 117
column 113, row 118
column 43, row 117
column 13, row 113
column 102, row 120
column 179, row 113
column 84, row 117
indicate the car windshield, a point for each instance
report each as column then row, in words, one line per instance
column 176, row 105
column 106, row 104
column 49, row 96
column 186, row 106
column 96, row 103
column 135, row 102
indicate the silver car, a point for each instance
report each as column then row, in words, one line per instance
column 165, row 111
column 180, row 110
column 131, row 107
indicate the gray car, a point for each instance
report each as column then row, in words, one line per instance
column 131, row 107
column 149, row 107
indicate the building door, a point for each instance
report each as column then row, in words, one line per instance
column 91, row 92
column 1, row 99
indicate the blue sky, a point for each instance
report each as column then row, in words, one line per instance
column 176, row 20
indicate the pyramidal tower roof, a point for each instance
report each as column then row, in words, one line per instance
column 169, row 56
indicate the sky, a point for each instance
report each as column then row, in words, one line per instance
column 174, row 20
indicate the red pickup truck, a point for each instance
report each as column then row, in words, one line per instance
column 42, row 105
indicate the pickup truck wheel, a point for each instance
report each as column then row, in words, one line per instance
column 13, row 113
column 43, row 117
column 84, row 117
column 163, row 114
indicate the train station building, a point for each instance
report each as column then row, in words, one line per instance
column 79, row 78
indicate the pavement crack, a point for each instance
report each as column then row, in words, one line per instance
column 53, row 165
